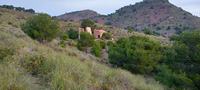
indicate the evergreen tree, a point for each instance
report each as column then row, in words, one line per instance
column 41, row 28
column 86, row 40
column 88, row 23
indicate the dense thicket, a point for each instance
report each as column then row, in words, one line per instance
column 177, row 67
column 184, row 57
column 136, row 53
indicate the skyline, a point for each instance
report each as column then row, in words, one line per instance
column 59, row 7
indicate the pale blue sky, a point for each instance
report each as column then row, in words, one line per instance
column 58, row 7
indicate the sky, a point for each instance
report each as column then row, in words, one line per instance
column 58, row 7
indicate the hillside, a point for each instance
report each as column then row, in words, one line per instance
column 26, row 64
column 78, row 15
column 116, row 32
column 158, row 15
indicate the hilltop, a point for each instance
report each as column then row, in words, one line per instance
column 158, row 15
column 26, row 64
column 78, row 15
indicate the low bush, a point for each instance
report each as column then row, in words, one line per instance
column 10, row 23
column 32, row 63
column 72, row 43
column 65, row 37
column 103, row 44
column 6, row 51
column 72, row 34
column 149, row 32
column 62, row 43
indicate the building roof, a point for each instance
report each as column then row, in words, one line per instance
column 101, row 31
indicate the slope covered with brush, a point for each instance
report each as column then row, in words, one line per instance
column 26, row 64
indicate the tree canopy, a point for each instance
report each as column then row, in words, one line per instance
column 41, row 27
column 86, row 40
column 88, row 23
column 136, row 53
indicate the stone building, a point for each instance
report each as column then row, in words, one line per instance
column 96, row 33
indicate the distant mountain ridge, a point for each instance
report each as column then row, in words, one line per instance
column 160, row 16
column 78, row 15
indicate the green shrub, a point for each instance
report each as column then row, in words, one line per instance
column 10, row 23
column 72, row 43
column 72, row 34
column 62, row 43
column 32, row 63
column 65, row 20
column 65, row 37
column 6, row 51
column 149, row 32
column 107, row 36
column 103, row 44
column 96, row 49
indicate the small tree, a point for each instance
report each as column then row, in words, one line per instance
column 65, row 37
column 88, row 23
column 130, row 30
column 96, row 49
column 41, row 28
column 149, row 32
column 86, row 40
